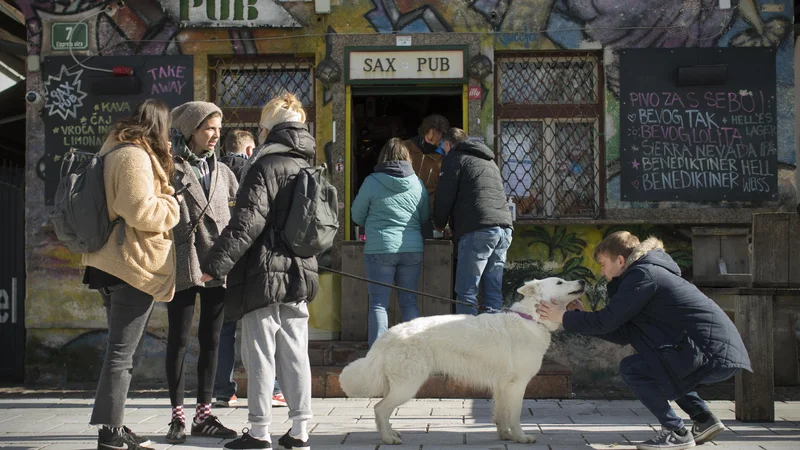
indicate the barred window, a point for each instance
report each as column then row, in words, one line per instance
column 548, row 120
column 242, row 86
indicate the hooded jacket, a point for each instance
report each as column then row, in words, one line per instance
column 471, row 195
column 427, row 165
column 138, row 191
column 260, row 268
column 392, row 204
column 677, row 330
column 236, row 162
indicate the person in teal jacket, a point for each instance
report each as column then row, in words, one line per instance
column 392, row 204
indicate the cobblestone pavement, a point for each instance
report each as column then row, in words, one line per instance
column 47, row 419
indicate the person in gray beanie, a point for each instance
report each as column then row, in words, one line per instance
column 209, row 187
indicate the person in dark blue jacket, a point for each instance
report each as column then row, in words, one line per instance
column 682, row 338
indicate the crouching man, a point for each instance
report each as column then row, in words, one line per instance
column 682, row 338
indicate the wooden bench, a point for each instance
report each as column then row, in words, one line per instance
column 763, row 317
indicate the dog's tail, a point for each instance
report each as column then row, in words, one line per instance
column 364, row 377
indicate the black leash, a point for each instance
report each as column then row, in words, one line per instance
column 411, row 291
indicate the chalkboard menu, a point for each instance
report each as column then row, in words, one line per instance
column 708, row 134
column 81, row 105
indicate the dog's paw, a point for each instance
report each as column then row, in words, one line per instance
column 525, row 439
column 392, row 439
column 505, row 434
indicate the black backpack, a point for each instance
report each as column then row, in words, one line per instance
column 80, row 214
column 313, row 218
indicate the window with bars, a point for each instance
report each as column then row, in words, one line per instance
column 548, row 116
column 242, row 86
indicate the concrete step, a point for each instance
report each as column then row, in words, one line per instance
column 553, row 381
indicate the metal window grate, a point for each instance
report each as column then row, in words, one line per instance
column 548, row 121
column 242, row 86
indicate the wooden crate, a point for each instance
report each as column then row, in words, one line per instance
column 776, row 250
column 436, row 279
column 710, row 245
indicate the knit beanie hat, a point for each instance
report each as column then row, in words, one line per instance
column 280, row 115
column 187, row 117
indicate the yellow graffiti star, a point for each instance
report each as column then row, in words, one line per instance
column 55, row 130
column 83, row 120
column 97, row 107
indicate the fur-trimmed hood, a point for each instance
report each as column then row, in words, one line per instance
column 651, row 251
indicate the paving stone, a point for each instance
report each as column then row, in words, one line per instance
column 448, row 424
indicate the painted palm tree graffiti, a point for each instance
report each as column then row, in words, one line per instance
column 559, row 241
column 544, row 251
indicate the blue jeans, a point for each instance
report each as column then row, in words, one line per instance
column 638, row 375
column 400, row 269
column 481, row 257
column 224, row 385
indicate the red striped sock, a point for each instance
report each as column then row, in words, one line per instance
column 177, row 413
column 202, row 412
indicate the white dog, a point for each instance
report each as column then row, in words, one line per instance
column 500, row 352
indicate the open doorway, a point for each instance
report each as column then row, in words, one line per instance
column 380, row 114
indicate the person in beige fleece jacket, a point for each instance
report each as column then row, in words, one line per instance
column 141, row 270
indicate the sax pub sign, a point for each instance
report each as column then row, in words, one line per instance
column 229, row 13
column 410, row 65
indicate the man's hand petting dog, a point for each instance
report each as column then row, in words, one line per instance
column 554, row 312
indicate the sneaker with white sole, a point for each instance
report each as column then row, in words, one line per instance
column 278, row 399
column 248, row 442
column 141, row 440
column 213, row 428
column 116, row 439
column 706, row 431
column 226, row 403
column 668, row 440
column 289, row 442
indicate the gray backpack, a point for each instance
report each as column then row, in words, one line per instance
column 313, row 218
column 80, row 215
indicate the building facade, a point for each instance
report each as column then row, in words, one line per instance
column 651, row 116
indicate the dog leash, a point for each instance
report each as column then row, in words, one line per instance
column 411, row 291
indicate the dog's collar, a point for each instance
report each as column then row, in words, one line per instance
column 521, row 314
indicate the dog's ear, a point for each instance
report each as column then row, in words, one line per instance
column 529, row 289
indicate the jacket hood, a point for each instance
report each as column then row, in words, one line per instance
column 294, row 135
column 651, row 251
column 397, row 176
column 475, row 149
column 397, row 169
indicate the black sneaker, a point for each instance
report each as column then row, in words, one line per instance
column 668, row 440
column 247, row 442
column 116, row 439
column 211, row 427
column 143, row 441
column 177, row 432
column 289, row 442
column 706, row 431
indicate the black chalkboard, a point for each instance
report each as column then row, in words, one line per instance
column 711, row 142
column 82, row 104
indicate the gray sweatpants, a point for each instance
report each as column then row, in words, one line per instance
column 275, row 339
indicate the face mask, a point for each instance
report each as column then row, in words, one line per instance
column 429, row 148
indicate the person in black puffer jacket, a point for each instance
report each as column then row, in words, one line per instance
column 239, row 146
column 470, row 195
column 267, row 286
column 681, row 337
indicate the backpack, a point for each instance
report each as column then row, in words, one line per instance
column 313, row 218
column 80, row 214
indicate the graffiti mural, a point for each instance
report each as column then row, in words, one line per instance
column 568, row 253
column 64, row 315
